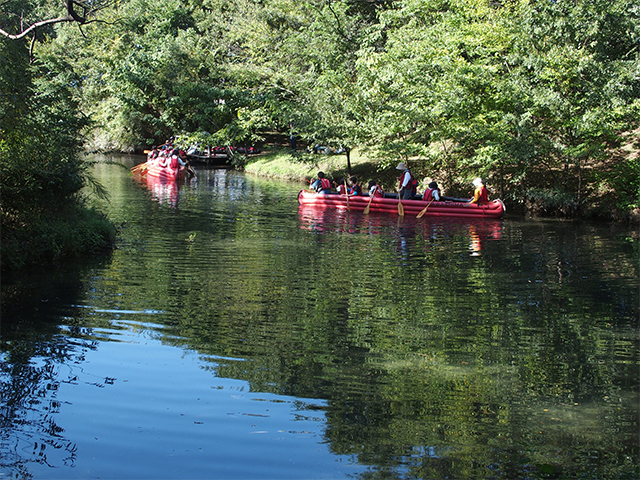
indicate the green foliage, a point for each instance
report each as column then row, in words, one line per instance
column 42, row 172
column 74, row 232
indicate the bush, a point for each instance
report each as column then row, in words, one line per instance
column 49, row 239
column 549, row 201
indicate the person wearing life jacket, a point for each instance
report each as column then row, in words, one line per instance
column 480, row 195
column 354, row 188
column 153, row 153
column 186, row 163
column 341, row 187
column 163, row 157
column 322, row 184
column 375, row 190
column 432, row 193
column 406, row 184
column 175, row 162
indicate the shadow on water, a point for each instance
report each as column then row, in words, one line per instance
column 397, row 348
column 34, row 346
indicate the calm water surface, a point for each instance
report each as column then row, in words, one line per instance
column 233, row 335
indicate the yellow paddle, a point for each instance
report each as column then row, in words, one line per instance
column 424, row 210
column 400, row 206
column 347, row 193
column 366, row 209
column 139, row 168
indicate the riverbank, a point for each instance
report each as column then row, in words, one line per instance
column 304, row 167
column 70, row 232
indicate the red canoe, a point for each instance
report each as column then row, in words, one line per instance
column 494, row 209
column 164, row 173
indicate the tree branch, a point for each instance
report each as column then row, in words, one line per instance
column 36, row 25
column 71, row 16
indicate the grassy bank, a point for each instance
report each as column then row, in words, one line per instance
column 46, row 239
column 301, row 167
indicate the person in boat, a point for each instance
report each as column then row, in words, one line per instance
column 481, row 194
column 322, row 184
column 354, row 188
column 173, row 160
column 163, row 157
column 153, row 153
column 341, row 187
column 185, row 162
column 406, row 184
column 375, row 189
column 432, row 193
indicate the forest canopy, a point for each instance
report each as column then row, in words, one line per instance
column 541, row 98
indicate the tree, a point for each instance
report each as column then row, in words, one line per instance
column 42, row 213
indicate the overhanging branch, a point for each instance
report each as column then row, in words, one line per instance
column 71, row 16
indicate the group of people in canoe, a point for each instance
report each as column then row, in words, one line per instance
column 407, row 188
column 168, row 156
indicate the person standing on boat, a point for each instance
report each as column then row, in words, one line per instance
column 406, row 184
column 321, row 185
column 431, row 193
column 481, row 194
column 354, row 188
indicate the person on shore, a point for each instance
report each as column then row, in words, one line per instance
column 432, row 193
column 481, row 194
column 322, row 184
column 354, row 188
column 406, row 184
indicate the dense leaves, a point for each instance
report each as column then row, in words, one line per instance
column 42, row 213
column 534, row 96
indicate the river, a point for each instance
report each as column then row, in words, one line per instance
column 233, row 335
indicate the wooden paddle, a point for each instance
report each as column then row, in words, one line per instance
column 139, row 168
column 400, row 206
column 424, row 210
column 366, row 209
column 347, row 194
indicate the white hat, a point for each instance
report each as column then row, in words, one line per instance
column 477, row 182
column 401, row 166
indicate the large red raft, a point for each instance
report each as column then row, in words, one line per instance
column 446, row 208
column 165, row 173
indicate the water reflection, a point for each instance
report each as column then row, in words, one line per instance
column 241, row 336
column 406, row 229
column 163, row 191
